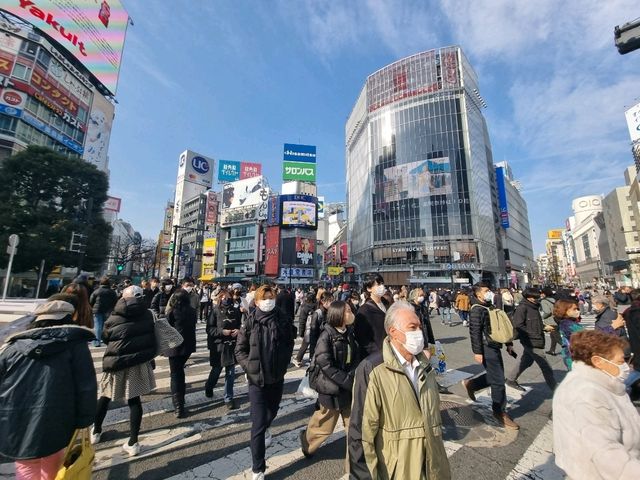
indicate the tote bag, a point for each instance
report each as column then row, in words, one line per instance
column 78, row 459
column 167, row 337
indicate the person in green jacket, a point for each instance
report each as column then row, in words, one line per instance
column 395, row 427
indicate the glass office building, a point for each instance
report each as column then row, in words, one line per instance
column 421, row 192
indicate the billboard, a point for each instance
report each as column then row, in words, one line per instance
column 555, row 234
column 96, row 145
column 228, row 171
column 299, row 162
column 296, row 272
column 334, row 271
column 244, row 193
column 195, row 168
column 93, row 32
column 112, row 204
column 273, row 210
column 417, row 179
column 633, row 122
column 320, row 207
column 298, row 251
column 250, row 170
column 211, row 215
column 298, row 211
column 209, row 261
column 502, row 198
column 272, row 251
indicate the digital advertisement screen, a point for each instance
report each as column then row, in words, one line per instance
column 299, row 211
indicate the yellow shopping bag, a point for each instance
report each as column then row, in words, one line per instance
column 78, row 459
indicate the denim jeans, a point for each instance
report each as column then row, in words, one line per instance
column 229, row 379
column 446, row 315
column 98, row 324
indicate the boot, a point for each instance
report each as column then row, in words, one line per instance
column 178, row 405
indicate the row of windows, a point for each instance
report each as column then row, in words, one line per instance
column 242, row 231
column 47, row 116
column 14, row 127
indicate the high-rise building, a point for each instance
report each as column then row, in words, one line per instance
column 49, row 94
column 515, row 231
column 586, row 240
column 421, row 190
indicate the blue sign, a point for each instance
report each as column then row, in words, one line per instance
column 299, row 153
column 502, row 197
column 11, row 111
column 273, row 210
column 47, row 130
column 228, row 171
column 200, row 165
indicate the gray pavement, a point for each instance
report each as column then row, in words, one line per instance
column 212, row 443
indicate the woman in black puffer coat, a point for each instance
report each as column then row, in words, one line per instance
column 183, row 318
column 223, row 325
column 336, row 359
column 127, row 373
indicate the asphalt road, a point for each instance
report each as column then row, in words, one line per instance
column 214, row 443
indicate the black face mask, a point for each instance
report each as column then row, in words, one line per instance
column 227, row 302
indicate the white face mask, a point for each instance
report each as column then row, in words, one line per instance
column 488, row 297
column 573, row 314
column 168, row 288
column 187, row 289
column 414, row 342
column 379, row 290
column 420, row 299
column 267, row 305
column 623, row 370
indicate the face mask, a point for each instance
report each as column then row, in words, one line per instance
column 187, row 289
column 414, row 343
column 226, row 302
column 420, row 299
column 266, row 305
column 623, row 370
column 379, row 290
column 488, row 297
column 349, row 320
column 356, row 303
column 167, row 288
column 573, row 314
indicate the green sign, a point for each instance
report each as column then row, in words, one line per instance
column 303, row 171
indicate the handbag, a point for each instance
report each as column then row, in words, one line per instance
column 167, row 337
column 78, row 459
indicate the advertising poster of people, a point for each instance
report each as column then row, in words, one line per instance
column 244, row 193
column 298, row 251
column 299, row 211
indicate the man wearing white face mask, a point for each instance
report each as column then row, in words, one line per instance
column 369, row 324
column 395, row 426
column 263, row 349
column 596, row 428
column 188, row 285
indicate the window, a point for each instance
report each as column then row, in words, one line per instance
column 44, row 58
column 21, row 71
column 28, row 48
column 586, row 247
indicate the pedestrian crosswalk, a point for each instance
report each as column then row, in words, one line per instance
column 213, row 442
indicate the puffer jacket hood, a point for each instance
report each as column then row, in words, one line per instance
column 130, row 307
column 48, row 341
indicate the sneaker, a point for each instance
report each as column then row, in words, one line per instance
column 470, row 393
column 465, row 323
column 296, row 362
column 208, row 392
column 268, row 439
column 258, row 476
column 443, row 390
column 515, row 385
column 549, row 352
column 506, row 421
column 304, row 445
column 132, row 450
column 95, row 436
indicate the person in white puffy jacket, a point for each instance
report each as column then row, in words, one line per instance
column 596, row 428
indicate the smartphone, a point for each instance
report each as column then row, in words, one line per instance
column 513, row 354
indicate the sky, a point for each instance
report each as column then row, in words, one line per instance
column 236, row 80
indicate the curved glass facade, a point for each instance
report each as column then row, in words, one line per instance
column 421, row 195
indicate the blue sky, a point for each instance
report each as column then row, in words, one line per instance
column 237, row 79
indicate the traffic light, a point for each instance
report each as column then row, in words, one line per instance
column 119, row 267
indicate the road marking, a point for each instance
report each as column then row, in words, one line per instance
column 538, row 461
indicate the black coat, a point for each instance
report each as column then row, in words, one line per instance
column 149, row 294
column 604, row 322
column 336, row 374
column 427, row 330
column 47, row 390
column 222, row 347
column 480, row 327
column 318, row 319
column 129, row 335
column 527, row 323
column 264, row 346
column 286, row 302
column 103, row 299
column 160, row 302
column 183, row 317
column 303, row 312
column 632, row 319
column 369, row 328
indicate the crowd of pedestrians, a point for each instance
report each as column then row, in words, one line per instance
column 368, row 357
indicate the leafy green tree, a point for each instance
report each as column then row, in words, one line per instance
column 45, row 197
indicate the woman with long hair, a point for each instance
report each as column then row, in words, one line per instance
column 83, row 315
column 223, row 325
column 183, row 317
column 336, row 358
